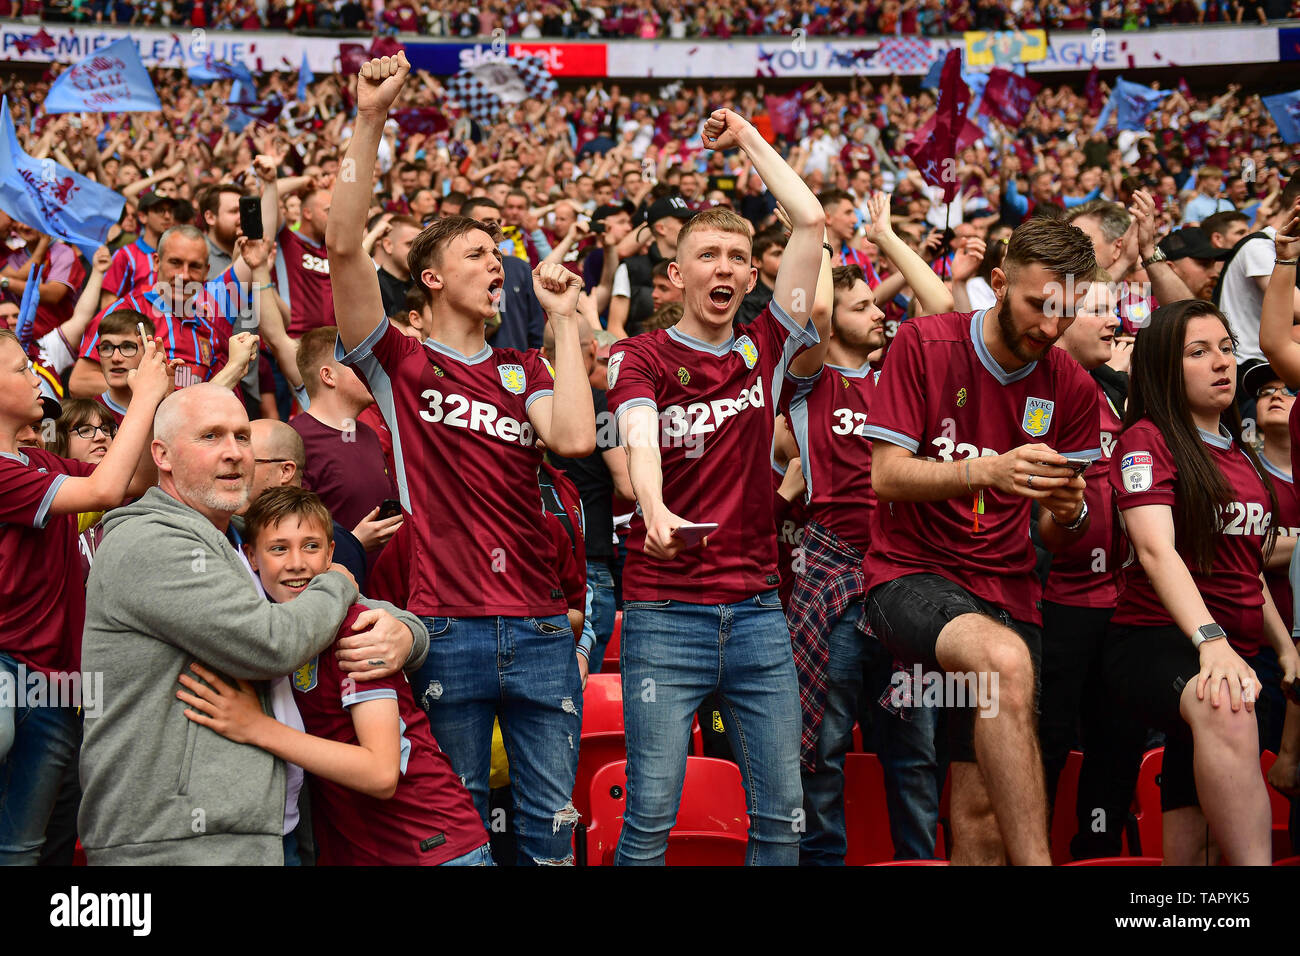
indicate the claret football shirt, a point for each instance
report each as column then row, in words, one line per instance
column 1142, row 472
column 716, row 406
column 467, row 461
column 943, row 397
column 828, row 425
column 1083, row 574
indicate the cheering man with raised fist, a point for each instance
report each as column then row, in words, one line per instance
column 696, row 406
column 466, row 420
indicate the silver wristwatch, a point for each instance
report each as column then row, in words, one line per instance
column 1207, row 632
column 1077, row 523
column 1157, row 256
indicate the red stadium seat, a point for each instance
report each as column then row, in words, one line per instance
column 1120, row 861
column 911, row 863
column 712, row 825
column 602, row 738
column 1150, row 826
column 866, row 815
column 610, row 664
column 1064, row 821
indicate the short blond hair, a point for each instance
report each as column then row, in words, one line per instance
column 719, row 219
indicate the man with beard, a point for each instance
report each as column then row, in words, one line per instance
column 829, row 650
column 158, row 788
column 973, row 418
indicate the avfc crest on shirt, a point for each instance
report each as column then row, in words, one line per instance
column 304, row 678
column 437, row 371
column 747, row 349
column 683, row 376
column 1038, row 416
column 512, row 377
column 614, row 362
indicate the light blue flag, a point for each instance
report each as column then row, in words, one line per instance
column 110, row 80
column 52, row 198
column 932, row 75
column 1285, row 110
column 210, row 70
column 1134, row 103
column 305, row 77
column 976, row 82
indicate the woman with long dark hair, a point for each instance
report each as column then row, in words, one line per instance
column 1193, row 610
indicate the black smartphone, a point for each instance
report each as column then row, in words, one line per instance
column 250, row 216
column 390, row 508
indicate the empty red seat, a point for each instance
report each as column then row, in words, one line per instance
column 1120, row 861
column 712, row 824
column 610, row 663
column 866, row 815
column 1150, row 826
column 1064, row 821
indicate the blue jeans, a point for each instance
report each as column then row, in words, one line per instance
column 601, row 582
column 36, row 746
column 523, row 671
column 480, row 857
column 823, row 842
column 675, row 654
column 910, row 759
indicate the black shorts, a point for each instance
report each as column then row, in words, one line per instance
column 1146, row 670
column 907, row 615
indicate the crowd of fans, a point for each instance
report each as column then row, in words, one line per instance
column 645, row 19
column 444, row 322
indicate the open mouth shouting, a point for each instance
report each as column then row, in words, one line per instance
column 720, row 297
column 494, row 290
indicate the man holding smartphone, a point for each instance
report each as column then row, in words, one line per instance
column 696, row 406
column 973, row 419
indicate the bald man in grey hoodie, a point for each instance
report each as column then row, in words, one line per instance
column 167, row 588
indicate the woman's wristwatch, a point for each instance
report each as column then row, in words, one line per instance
column 1207, row 632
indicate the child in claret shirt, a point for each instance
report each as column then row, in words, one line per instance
column 383, row 793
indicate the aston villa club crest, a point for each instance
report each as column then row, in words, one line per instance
column 512, row 377
column 614, row 362
column 437, row 370
column 747, row 349
column 961, row 398
column 683, row 376
column 1038, row 416
column 304, row 678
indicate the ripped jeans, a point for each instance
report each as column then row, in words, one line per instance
column 524, row 671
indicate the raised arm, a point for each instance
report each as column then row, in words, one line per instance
column 358, row 305
column 106, row 488
column 1165, row 282
column 1277, row 318
column 566, row 420
column 931, row 293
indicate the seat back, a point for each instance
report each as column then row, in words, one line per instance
column 1150, row 826
column 712, row 825
column 866, row 814
column 1065, row 811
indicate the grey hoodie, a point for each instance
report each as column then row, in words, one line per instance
column 167, row 588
